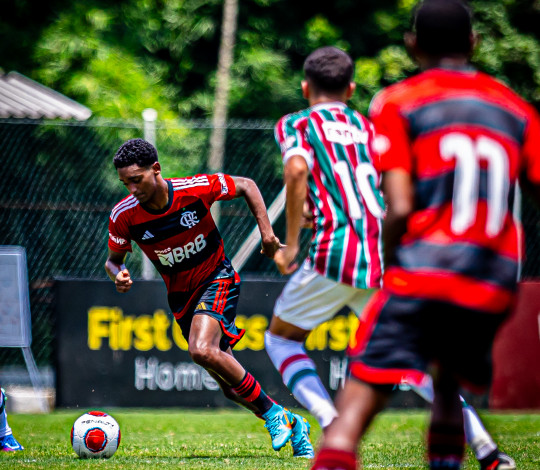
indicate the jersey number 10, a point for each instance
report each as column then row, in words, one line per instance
column 362, row 174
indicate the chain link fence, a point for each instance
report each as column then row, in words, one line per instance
column 59, row 185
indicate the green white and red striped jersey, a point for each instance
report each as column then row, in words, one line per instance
column 343, row 190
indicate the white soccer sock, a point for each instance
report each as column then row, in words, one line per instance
column 5, row 430
column 299, row 375
column 425, row 390
column 476, row 434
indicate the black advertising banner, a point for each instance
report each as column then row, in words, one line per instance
column 126, row 349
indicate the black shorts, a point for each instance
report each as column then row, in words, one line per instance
column 218, row 298
column 398, row 338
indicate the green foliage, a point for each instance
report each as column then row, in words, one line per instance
column 320, row 32
column 371, row 74
column 504, row 51
column 235, row 439
column 121, row 57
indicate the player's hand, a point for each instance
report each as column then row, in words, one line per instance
column 270, row 246
column 123, row 281
column 284, row 259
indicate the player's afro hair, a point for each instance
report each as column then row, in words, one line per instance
column 329, row 69
column 135, row 152
column 443, row 27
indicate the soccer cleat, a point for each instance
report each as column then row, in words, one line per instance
column 300, row 441
column 9, row 444
column 497, row 460
column 279, row 423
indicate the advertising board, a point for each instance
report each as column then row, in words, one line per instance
column 126, row 349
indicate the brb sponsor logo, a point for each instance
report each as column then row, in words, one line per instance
column 189, row 219
column 170, row 256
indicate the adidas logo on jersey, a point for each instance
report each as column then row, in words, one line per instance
column 147, row 235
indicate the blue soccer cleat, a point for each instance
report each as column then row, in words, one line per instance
column 279, row 423
column 9, row 444
column 300, row 440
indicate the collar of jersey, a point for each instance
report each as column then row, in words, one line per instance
column 331, row 104
column 456, row 68
column 169, row 202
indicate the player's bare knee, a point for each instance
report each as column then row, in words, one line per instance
column 204, row 355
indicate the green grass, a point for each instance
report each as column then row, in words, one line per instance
column 234, row 439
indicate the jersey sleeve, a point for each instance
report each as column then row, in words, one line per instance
column 119, row 237
column 391, row 142
column 531, row 149
column 221, row 187
column 292, row 139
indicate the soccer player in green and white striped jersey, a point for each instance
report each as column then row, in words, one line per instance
column 326, row 151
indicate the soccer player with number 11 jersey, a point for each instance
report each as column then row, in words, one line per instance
column 453, row 144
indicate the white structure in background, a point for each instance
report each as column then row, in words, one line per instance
column 21, row 97
column 149, row 116
column 16, row 331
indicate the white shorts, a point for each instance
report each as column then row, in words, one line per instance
column 309, row 299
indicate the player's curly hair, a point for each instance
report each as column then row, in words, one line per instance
column 135, row 152
column 329, row 69
column 443, row 27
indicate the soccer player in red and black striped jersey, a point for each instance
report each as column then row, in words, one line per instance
column 453, row 144
column 171, row 222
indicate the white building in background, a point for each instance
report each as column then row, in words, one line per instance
column 23, row 98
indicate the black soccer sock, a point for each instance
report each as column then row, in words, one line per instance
column 250, row 390
column 446, row 445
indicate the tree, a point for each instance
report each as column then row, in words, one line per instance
column 120, row 57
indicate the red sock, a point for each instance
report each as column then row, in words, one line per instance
column 333, row 459
column 250, row 390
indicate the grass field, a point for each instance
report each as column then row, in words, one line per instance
column 234, row 439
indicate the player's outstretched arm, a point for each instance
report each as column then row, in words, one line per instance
column 117, row 271
column 248, row 189
column 296, row 177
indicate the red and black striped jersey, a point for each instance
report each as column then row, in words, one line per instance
column 181, row 240
column 465, row 138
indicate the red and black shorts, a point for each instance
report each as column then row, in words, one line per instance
column 218, row 298
column 399, row 338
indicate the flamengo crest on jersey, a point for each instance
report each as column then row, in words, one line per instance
column 182, row 240
column 342, row 190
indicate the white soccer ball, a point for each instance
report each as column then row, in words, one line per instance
column 95, row 435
